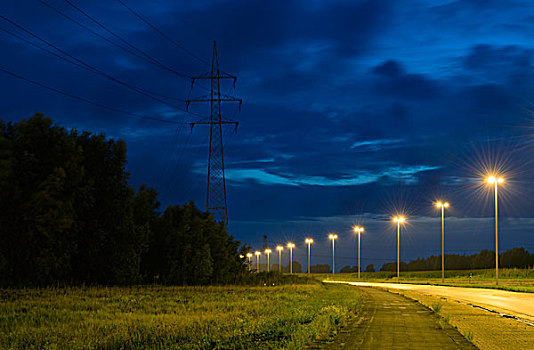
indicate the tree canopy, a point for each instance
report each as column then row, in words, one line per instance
column 69, row 215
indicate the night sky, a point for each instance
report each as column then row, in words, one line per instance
column 353, row 111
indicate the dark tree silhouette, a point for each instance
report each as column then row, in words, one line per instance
column 68, row 215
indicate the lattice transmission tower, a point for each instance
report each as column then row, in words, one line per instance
column 216, row 186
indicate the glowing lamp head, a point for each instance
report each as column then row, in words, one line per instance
column 357, row 229
column 241, row 256
column 258, row 253
column 249, row 255
column 279, row 248
column 309, row 241
column 399, row 219
column 494, row 180
column 268, row 251
column 290, row 245
column 442, row 205
column 332, row 236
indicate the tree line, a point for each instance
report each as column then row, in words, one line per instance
column 69, row 216
column 485, row 259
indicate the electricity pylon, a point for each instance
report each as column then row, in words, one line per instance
column 216, row 187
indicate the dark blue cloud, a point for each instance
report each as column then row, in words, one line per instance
column 352, row 108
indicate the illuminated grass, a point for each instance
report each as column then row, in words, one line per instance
column 172, row 317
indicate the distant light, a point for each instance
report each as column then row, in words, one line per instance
column 258, row 253
column 290, row 245
column 357, row 229
column 249, row 255
column 268, row 251
column 309, row 240
column 399, row 219
column 332, row 236
column 493, row 179
column 444, row 205
column 279, row 248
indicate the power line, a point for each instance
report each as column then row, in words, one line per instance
column 83, row 99
column 94, row 69
column 69, row 60
column 135, row 13
column 148, row 57
column 63, row 14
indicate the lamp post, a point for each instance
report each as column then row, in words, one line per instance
column 493, row 180
column 258, row 253
column 358, row 230
column 268, row 251
column 399, row 220
column 279, row 248
column 333, row 237
column 249, row 256
column 442, row 206
column 309, row 241
column 290, row 246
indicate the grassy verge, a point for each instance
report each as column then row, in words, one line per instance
column 517, row 280
column 236, row 317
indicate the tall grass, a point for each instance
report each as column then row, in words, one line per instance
column 237, row 317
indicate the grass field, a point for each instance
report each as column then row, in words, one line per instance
column 236, row 317
column 519, row 280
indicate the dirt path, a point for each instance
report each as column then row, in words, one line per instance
column 391, row 321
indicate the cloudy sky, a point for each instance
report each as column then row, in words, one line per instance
column 353, row 111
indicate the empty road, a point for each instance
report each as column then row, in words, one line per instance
column 516, row 304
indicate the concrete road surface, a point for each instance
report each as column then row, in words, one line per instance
column 516, row 304
column 391, row 321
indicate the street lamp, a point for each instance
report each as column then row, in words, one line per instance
column 333, row 237
column 358, row 230
column 493, row 180
column 442, row 206
column 309, row 241
column 258, row 253
column 399, row 220
column 279, row 248
column 268, row 251
column 249, row 256
column 290, row 246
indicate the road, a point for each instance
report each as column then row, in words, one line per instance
column 516, row 304
column 391, row 321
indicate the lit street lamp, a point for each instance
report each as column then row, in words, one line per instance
column 399, row 220
column 495, row 181
column 249, row 256
column 268, row 251
column 442, row 206
column 309, row 241
column 333, row 237
column 279, row 248
column 290, row 246
column 358, row 230
column 258, row 253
